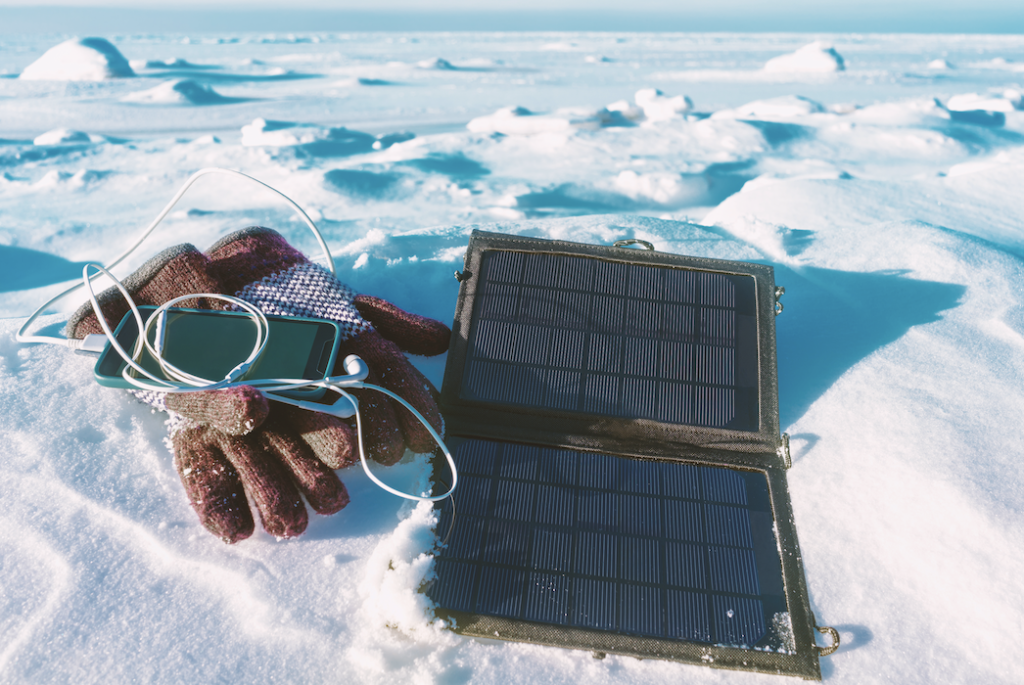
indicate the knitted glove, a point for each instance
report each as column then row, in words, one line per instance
column 257, row 265
column 230, row 444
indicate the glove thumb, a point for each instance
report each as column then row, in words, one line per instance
column 235, row 411
column 412, row 333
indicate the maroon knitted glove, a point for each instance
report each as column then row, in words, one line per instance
column 259, row 266
column 232, row 446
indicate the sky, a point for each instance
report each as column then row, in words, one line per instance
column 910, row 16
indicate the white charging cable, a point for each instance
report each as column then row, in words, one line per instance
column 180, row 381
column 24, row 337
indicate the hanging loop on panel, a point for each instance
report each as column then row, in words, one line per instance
column 633, row 241
column 779, row 292
column 833, row 635
column 783, row 451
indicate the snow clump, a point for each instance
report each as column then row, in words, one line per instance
column 178, row 92
column 817, row 57
column 79, row 59
column 60, row 136
column 659, row 107
column 783, row 107
column 1007, row 101
column 436, row 63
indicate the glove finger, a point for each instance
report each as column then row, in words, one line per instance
column 402, row 378
column 267, row 484
column 235, row 411
column 323, row 489
column 332, row 440
column 382, row 434
column 411, row 332
column 176, row 271
column 212, row 485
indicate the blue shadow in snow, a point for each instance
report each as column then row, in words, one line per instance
column 24, row 269
column 37, row 153
column 212, row 77
column 340, row 142
column 776, row 133
column 978, row 117
column 362, row 184
column 834, row 319
column 454, row 166
column 719, row 182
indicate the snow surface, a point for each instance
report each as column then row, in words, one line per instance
column 886, row 195
column 86, row 59
column 814, row 57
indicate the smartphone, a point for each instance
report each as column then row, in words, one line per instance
column 210, row 343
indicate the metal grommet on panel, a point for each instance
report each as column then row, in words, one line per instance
column 833, row 637
column 634, row 241
column 779, row 292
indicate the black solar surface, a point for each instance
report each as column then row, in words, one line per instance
column 654, row 549
column 613, row 339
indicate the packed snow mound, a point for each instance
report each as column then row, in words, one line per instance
column 784, row 107
column 1007, row 101
column 173, row 63
column 519, row 121
column 817, row 57
column 60, row 136
column 267, row 132
column 662, row 188
column 659, row 107
column 513, row 121
column 178, row 92
column 79, row 59
column 436, row 63
column 940, row 65
column 317, row 141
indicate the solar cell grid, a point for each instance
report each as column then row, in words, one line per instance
column 581, row 334
column 657, row 549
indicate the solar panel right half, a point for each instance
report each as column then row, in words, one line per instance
column 614, row 417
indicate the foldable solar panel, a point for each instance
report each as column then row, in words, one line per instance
column 613, row 414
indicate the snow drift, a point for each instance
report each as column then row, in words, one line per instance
column 816, row 57
column 79, row 59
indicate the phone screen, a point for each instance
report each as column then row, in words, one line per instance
column 209, row 344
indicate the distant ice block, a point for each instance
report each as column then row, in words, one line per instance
column 1007, row 101
column 79, row 59
column 659, row 107
column 817, row 57
column 178, row 92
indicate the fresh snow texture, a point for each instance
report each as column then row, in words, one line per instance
column 886, row 195
column 814, row 57
column 86, row 59
column 178, row 92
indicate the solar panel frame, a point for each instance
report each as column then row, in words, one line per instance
column 579, row 427
column 534, row 548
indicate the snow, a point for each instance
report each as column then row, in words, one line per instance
column 86, row 59
column 178, row 92
column 885, row 194
column 814, row 57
